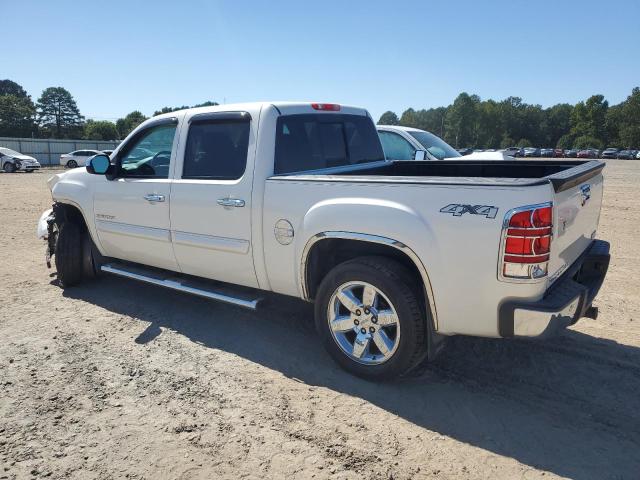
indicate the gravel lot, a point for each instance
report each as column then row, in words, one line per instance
column 117, row 379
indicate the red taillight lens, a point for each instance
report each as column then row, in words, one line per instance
column 330, row 107
column 542, row 217
column 527, row 243
column 521, row 220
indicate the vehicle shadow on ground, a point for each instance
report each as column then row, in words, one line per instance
column 569, row 405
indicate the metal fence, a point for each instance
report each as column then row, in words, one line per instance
column 48, row 151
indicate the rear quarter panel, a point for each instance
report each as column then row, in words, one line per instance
column 460, row 253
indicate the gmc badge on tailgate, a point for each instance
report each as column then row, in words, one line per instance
column 458, row 210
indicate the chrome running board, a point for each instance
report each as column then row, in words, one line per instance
column 194, row 287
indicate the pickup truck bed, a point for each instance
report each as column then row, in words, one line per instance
column 561, row 174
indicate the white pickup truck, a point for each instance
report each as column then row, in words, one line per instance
column 297, row 199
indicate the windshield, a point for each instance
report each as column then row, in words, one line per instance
column 8, row 151
column 435, row 145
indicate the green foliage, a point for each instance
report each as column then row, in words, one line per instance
column 58, row 114
column 9, row 87
column 507, row 141
column 587, row 141
column 100, row 130
column 565, row 142
column 16, row 116
column 208, row 103
column 477, row 123
column 630, row 120
column 389, row 118
column 16, row 111
column 461, row 120
column 126, row 125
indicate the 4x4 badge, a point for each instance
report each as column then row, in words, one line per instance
column 458, row 210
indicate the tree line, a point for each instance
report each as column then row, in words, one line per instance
column 467, row 122
column 56, row 115
column 472, row 122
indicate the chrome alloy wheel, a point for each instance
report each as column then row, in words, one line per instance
column 364, row 323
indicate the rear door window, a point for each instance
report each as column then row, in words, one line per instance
column 313, row 142
column 217, row 149
column 395, row 147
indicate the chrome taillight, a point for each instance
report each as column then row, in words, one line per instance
column 526, row 243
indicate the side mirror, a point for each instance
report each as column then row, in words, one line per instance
column 420, row 155
column 98, row 164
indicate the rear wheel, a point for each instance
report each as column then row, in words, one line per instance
column 68, row 253
column 369, row 316
column 9, row 167
column 72, row 164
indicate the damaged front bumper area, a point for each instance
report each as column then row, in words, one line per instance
column 48, row 231
column 566, row 301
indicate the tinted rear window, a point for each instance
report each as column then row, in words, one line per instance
column 216, row 149
column 312, row 142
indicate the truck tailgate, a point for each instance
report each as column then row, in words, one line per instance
column 576, row 214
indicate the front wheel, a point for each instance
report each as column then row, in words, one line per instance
column 9, row 167
column 369, row 316
column 72, row 164
column 68, row 254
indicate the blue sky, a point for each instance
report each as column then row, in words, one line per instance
column 118, row 56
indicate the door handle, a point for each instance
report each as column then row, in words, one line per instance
column 153, row 197
column 231, row 202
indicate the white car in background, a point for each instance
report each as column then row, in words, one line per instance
column 407, row 143
column 12, row 161
column 77, row 158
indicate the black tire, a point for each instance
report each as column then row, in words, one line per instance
column 68, row 254
column 399, row 286
column 72, row 164
column 9, row 167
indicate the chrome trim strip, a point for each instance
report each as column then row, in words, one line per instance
column 172, row 284
column 231, row 245
column 149, row 233
column 365, row 237
column 503, row 240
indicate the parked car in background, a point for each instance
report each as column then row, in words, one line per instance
column 12, row 161
column 464, row 151
column 558, row 153
column 77, row 158
column 626, row 155
column 609, row 153
column 107, row 152
column 546, row 152
column 513, row 151
column 571, row 153
column 638, row 155
column 406, row 143
column 531, row 152
column 588, row 153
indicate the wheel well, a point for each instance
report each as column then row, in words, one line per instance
column 328, row 253
column 69, row 213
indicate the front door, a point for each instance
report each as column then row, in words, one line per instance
column 132, row 210
column 211, row 199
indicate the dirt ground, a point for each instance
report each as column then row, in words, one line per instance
column 115, row 379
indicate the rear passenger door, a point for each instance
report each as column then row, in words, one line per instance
column 211, row 198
